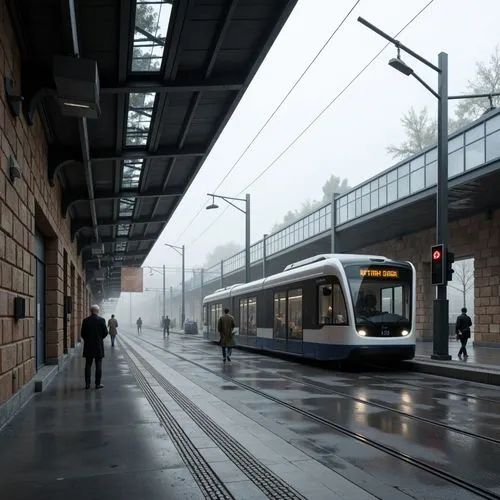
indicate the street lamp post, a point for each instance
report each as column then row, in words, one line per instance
column 440, row 306
column 181, row 252
column 245, row 211
column 163, row 272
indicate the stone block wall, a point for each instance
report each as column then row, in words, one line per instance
column 476, row 236
column 25, row 204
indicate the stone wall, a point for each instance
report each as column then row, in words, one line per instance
column 26, row 204
column 478, row 237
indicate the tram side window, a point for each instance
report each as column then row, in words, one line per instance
column 213, row 320
column 295, row 314
column 279, row 315
column 248, row 316
column 252, row 316
column 243, row 317
column 332, row 306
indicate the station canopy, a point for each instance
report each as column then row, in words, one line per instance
column 132, row 95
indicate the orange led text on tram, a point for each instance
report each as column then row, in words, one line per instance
column 379, row 273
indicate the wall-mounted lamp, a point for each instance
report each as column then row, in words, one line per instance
column 14, row 100
column 19, row 308
column 77, row 83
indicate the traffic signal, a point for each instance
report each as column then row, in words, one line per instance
column 437, row 265
column 450, row 259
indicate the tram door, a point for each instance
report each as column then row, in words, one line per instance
column 288, row 320
column 40, row 300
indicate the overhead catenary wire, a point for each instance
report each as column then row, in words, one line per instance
column 273, row 114
column 315, row 119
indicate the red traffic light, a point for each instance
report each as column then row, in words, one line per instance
column 436, row 255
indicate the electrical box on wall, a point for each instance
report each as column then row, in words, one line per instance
column 19, row 308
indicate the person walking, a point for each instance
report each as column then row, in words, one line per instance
column 93, row 333
column 139, row 325
column 225, row 327
column 166, row 326
column 463, row 332
column 112, row 327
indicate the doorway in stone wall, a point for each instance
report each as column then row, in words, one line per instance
column 461, row 290
column 39, row 299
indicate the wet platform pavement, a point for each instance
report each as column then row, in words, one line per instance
column 482, row 364
column 174, row 421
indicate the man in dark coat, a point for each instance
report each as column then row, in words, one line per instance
column 93, row 332
column 463, row 332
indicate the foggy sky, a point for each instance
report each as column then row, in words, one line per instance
column 350, row 140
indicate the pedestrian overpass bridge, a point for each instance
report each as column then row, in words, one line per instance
column 394, row 214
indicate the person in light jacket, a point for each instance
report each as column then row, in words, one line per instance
column 112, row 327
column 225, row 327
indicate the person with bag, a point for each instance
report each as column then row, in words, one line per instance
column 225, row 327
column 462, row 329
column 112, row 328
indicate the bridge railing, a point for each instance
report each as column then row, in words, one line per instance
column 468, row 148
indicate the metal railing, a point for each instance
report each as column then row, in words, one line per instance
column 469, row 148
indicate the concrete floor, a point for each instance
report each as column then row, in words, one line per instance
column 121, row 442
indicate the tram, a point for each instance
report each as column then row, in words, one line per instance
column 327, row 307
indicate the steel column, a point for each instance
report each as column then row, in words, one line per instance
column 440, row 306
column 247, row 238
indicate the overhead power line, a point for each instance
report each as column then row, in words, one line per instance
column 317, row 117
column 273, row 114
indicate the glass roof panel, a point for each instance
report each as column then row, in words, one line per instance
column 152, row 20
column 131, row 173
column 140, row 110
column 126, row 207
column 123, row 229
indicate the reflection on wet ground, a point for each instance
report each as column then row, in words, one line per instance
column 456, row 405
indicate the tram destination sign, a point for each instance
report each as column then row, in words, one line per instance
column 379, row 273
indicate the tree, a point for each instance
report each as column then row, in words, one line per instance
column 146, row 20
column 421, row 129
column 487, row 80
column 221, row 252
column 421, row 132
column 463, row 278
column 333, row 185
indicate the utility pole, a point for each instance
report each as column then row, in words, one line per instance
column 164, row 292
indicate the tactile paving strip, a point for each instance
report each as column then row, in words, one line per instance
column 268, row 482
column 210, row 485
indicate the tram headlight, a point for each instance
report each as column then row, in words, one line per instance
column 362, row 333
column 405, row 333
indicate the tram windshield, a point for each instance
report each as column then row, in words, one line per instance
column 380, row 293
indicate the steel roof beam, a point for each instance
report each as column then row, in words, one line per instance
column 84, row 243
column 78, row 225
column 226, row 84
column 136, row 154
column 71, row 197
column 111, row 256
column 60, row 157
